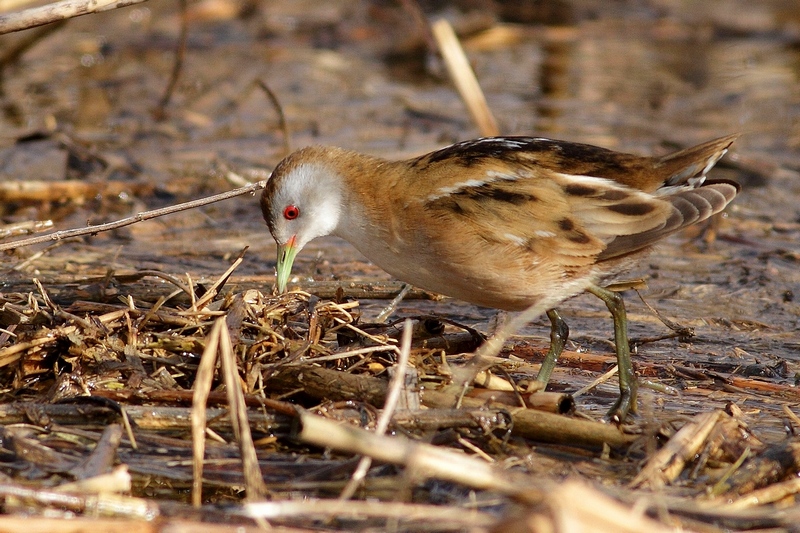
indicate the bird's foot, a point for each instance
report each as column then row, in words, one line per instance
column 623, row 407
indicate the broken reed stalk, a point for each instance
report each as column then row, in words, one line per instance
column 444, row 517
column 139, row 217
column 663, row 467
column 389, row 407
column 254, row 482
column 89, row 504
column 759, row 497
column 422, row 460
column 527, row 423
column 550, row 402
column 55, row 11
column 202, row 387
column 219, row 342
column 464, row 78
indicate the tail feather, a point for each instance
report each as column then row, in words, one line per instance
column 690, row 164
column 689, row 206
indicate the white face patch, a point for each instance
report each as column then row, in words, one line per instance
column 301, row 179
column 316, row 192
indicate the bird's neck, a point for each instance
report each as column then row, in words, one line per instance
column 369, row 194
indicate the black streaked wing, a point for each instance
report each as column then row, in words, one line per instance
column 607, row 209
column 687, row 207
column 545, row 214
column 525, row 216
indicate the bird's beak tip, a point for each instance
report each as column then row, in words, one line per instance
column 286, row 255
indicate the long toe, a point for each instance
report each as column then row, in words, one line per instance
column 624, row 406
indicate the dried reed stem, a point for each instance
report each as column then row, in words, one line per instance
column 464, row 78
column 41, row 15
column 392, row 398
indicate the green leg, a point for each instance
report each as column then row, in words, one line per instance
column 559, row 332
column 627, row 379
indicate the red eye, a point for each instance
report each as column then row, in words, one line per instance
column 291, row 212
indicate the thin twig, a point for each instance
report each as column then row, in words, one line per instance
column 177, row 66
column 221, row 281
column 392, row 398
column 276, row 104
column 340, row 355
column 602, row 379
column 39, row 16
column 680, row 330
column 139, row 217
column 389, row 309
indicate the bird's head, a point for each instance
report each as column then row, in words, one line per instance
column 302, row 201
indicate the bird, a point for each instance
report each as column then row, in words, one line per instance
column 501, row 222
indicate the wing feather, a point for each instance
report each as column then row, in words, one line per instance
column 687, row 208
column 531, row 214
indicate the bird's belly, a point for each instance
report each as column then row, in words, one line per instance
column 492, row 283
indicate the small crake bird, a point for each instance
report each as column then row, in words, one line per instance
column 502, row 222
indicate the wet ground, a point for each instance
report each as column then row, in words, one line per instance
column 644, row 77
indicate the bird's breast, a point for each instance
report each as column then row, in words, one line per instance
column 485, row 275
